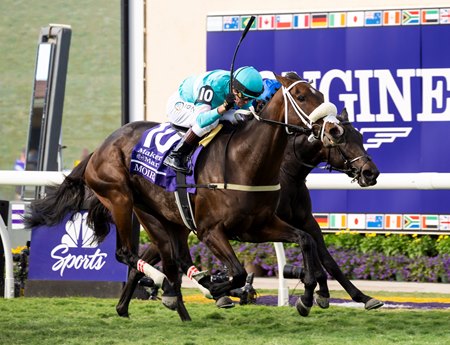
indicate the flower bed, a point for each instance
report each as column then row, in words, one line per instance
column 374, row 257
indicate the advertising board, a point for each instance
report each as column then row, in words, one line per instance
column 391, row 70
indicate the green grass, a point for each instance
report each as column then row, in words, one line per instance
column 94, row 321
column 92, row 107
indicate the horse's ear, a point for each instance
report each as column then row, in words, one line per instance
column 283, row 80
column 343, row 116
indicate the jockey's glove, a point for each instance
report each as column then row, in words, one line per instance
column 229, row 101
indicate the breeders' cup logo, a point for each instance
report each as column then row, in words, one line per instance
column 78, row 238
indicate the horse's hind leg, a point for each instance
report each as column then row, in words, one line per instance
column 151, row 255
column 168, row 240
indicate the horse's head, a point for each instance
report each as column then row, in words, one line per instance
column 304, row 106
column 348, row 155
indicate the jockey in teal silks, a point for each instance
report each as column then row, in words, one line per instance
column 202, row 100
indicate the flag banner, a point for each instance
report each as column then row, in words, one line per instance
column 230, row 23
column 393, row 221
column 266, row 22
column 214, row 24
column 444, row 222
column 374, row 221
column 430, row 16
column 244, row 22
column 319, row 20
column 392, row 17
column 322, row 220
column 356, row 221
column 355, row 19
column 337, row 20
column 411, row 17
column 430, row 222
column 411, row 222
column 302, row 21
column 444, row 16
column 373, row 18
column 284, row 21
column 338, row 221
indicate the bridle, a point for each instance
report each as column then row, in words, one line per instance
column 325, row 111
column 349, row 169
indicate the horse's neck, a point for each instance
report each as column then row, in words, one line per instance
column 300, row 158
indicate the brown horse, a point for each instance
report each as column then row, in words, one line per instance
column 253, row 160
column 301, row 156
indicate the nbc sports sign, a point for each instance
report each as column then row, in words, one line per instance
column 68, row 251
column 391, row 71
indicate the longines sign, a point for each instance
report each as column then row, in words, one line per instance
column 390, row 69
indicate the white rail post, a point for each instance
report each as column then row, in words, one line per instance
column 283, row 291
column 9, row 269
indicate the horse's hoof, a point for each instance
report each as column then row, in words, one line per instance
column 302, row 309
column 170, row 302
column 322, row 302
column 373, row 303
column 224, row 302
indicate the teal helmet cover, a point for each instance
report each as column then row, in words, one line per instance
column 248, row 81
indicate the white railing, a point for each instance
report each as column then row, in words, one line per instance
column 423, row 181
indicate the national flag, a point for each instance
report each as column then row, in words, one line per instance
column 266, row 22
column 374, row 221
column 338, row 221
column 302, row 20
column 322, row 220
column 430, row 222
column 356, row 221
column 319, row 20
column 393, row 221
column 230, row 23
column 244, row 22
column 430, row 16
column 411, row 222
column 214, row 23
column 391, row 17
column 411, row 17
column 284, row 21
column 355, row 19
column 17, row 213
column 336, row 20
column 444, row 16
column 373, row 18
column 444, row 222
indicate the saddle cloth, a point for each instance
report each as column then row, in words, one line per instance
column 149, row 153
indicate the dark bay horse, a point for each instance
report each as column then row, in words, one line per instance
column 253, row 161
column 301, row 156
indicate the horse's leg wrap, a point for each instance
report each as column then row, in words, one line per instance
column 195, row 275
column 151, row 272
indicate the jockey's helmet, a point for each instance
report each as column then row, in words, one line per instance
column 248, row 82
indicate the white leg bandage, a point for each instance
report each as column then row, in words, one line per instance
column 195, row 275
column 151, row 272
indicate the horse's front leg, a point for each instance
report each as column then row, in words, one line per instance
column 276, row 230
column 333, row 269
column 220, row 246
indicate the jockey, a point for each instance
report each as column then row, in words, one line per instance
column 200, row 102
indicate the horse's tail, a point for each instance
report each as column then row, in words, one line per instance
column 60, row 200
column 99, row 218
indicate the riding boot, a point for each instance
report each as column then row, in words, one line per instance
column 179, row 156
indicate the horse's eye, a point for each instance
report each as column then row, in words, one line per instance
column 301, row 98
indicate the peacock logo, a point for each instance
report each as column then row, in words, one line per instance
column 78, row 236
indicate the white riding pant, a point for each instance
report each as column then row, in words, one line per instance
column 184, row 114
